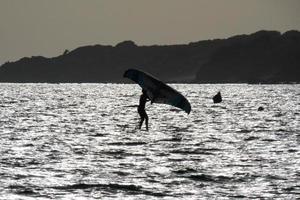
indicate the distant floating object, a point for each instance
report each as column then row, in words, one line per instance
column 217, row 98
column 157, row 91
column 260, row 108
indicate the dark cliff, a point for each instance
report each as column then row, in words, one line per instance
column 265, row 56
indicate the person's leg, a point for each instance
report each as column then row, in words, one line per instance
column 141, row 118
column 146, row 117
column 141, row 122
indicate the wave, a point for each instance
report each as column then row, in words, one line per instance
column 130, row 188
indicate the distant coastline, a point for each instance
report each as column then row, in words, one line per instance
column 264, row 57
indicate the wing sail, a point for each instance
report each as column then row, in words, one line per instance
column 158, row 91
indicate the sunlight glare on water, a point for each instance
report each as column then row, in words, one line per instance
column 77, row 141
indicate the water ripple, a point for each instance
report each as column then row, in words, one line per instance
column 74, row 141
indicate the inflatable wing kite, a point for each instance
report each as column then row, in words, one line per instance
column 157, row 91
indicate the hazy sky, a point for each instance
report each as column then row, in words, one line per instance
column 48, row 27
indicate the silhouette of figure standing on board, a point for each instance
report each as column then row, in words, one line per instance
column 141, row 109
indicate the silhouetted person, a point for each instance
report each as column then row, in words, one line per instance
column 217, row 98
column 141, row 109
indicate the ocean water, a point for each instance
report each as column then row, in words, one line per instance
column 79, row 141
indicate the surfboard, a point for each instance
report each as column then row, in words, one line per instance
column 158, row 91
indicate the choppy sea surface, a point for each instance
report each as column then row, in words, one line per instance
column 80, row 141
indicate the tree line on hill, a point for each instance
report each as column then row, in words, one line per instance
column 261, row 57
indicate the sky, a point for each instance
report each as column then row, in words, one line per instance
column 49, row 27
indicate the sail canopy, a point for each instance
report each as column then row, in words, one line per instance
column 157, row 91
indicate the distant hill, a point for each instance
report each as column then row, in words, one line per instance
column 261, row 57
